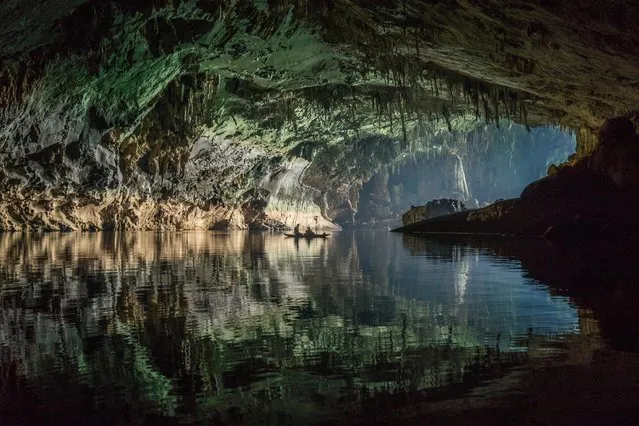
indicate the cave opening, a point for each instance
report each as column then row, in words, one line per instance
column 476, row 169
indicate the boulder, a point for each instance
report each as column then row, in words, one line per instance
column 568, row 181
column 616, row 156
column 432, row 209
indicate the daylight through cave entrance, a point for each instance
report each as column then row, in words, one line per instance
column 475, row 168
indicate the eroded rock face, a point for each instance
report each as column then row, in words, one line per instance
column 433, row 208
column 617, row 155
column 289, row 201
column 88, row 191
column 104, row 106
column 78, row 167
column 74, row 168
column 476, row 168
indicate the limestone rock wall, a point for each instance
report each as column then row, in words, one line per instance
column 476, row 168
column 70, row 166
column 106, row 107
column 90, row 192
column 290, row 201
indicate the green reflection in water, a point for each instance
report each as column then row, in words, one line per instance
column 216, row 326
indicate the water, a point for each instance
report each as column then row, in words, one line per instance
column 249, row 327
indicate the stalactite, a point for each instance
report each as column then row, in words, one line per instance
column 405, row 20
column 486, row 108
column 352, row 105
column 496, row 101
column 450, row 92
column 405, row 138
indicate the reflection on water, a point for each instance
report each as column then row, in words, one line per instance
column 254, row 327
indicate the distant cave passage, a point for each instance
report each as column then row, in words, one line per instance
column 477, row 169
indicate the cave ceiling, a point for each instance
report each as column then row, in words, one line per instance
column 268, row 62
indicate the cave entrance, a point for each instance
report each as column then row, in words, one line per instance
column 476, row 168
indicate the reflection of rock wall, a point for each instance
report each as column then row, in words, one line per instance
column 234, row 313
column 221, row 278
column 209, row 265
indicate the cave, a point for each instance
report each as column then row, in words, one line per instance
column 467, row 172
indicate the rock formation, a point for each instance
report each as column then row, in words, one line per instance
column 178, row 114
column 432, row 209
column 476, row 168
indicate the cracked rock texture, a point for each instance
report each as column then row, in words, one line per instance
column 215, row 114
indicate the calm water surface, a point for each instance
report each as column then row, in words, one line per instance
column 242, row 327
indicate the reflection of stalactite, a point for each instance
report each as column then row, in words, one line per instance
column 204, row 307
column 462, row 274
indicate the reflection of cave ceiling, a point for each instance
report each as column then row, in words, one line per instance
column 178, row 108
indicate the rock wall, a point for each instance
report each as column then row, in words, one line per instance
column 594, row 200
column 432, row 209
column 103, row 103
column 90, row 191
column 290, row 201
column 586, row 142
